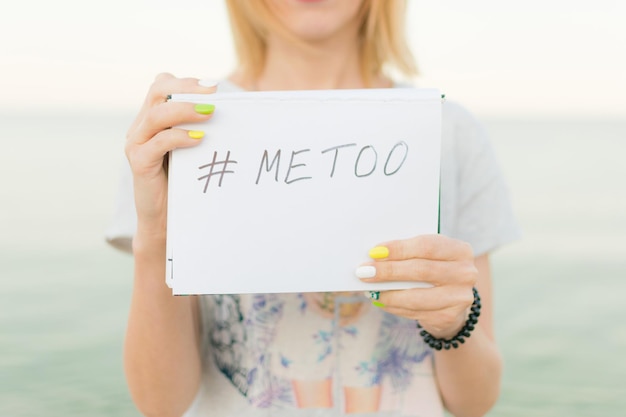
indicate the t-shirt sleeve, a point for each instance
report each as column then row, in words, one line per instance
column 123, row 225
column 485, row 216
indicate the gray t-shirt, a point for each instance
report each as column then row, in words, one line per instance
column 326, row 354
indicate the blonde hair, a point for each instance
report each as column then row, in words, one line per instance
column 382, row 42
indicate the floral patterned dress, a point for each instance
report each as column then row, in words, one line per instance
column 320, row 350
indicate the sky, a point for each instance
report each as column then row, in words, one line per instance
column 540, row 58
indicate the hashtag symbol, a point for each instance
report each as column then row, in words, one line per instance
column 221, row 173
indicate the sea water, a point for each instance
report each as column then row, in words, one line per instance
column 559, row 292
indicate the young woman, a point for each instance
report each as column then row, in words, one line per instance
column 322, row 354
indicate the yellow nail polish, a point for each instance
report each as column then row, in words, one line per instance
column 377, row 304
column 204, row 108
column 379, row 252
column 196, row 134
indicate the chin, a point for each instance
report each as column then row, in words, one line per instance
column 315, row 20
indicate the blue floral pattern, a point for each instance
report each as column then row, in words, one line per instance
column 245, row 329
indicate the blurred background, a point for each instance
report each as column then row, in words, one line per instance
column 547, row 78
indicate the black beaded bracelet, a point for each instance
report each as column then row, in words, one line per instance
column 463, row 334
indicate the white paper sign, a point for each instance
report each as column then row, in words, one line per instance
column 288, row 191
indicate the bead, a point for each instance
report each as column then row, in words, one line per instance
column 459, row 338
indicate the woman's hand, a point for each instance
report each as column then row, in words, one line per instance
column 162, row 354
column 151, row 137
column 445, row 263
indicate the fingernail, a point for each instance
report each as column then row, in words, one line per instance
column 377, row 304
column 372, row 295
column 379, row 252
column 207, row 83
column 366, row 271
column 204, row 108
column 196, row 134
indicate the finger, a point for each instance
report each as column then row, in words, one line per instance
column 149, row 156
column 436, row 247
column 447, row 321
column 428, row 299
column 168, row 114
column 402, row 312
column 420, row 270
column 166, row 84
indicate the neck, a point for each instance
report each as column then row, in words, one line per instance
column 328, row 64
column 324, row 65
